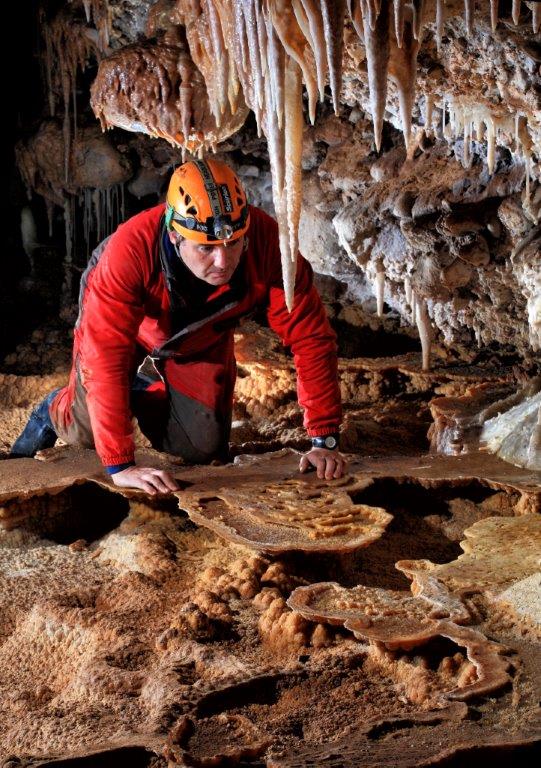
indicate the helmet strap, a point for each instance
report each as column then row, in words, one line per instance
column 176, row 246
column 169, row 211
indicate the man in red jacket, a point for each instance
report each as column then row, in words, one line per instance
column 170, row 285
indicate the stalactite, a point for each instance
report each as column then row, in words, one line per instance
column 239, row 38
column 399, row 21
column 379, row 287
column 88, row 10
column 206, row 57
column 377, row 59
column 275, row 141
column 355, row 14
column 467, row 144
column 252, row 36
column 468, row 119
column 443, row 114
column 312, row 10
column 262, row 39
column 267, row 48
column 68, row 50
column 48, row 61
column 295, row 43
column 372, row 10
column 66, row 76
column 515, row 13
column 185, row 68
column 302, row 21
column 101, row 18
column 494, row 5
column 276, row 70
column 417, row 7
column 429, row 112
column 425, row 330
column 98, row 213
column 29, row 233
column 469, row 10
column 527, row 174
column 101, row 211
column 440, row 21
column 221, row 56
column 333, row 13
column 403, row 70
column 408, row 290
column 227, row 25
column 69, row 218
column 536, row 16
column 49, row 205
column 477, row 334
column 524, row 148
column 293, row 173
column 478, row 126
column 491, row 145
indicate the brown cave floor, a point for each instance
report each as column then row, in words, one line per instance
column 132, row 636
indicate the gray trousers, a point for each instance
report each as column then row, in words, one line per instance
column 173, row 422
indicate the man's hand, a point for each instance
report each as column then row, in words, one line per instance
column 329, row 464
column 146, row 479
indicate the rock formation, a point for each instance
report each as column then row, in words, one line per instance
column 259, row 616
column 125, row 627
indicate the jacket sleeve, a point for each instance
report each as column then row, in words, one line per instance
column 313, row 342
column 112, row 311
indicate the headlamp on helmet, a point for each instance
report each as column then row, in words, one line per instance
column 206, row 203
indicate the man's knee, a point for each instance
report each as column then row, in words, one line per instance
column 196, row 448
column 70, row 419
column 194, row 431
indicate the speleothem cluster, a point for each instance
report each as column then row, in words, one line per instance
column 127, row 627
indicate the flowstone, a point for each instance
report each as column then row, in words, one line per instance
column 160, row 640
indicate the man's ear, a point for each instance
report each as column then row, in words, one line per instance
column 172, row 236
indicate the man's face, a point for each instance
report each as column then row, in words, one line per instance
column 214, row 264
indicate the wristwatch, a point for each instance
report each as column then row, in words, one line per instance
column 326, row 441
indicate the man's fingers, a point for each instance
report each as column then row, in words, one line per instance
column 146, row 479
column 304, row 463
column 169, row 481
column 330, row 466
column 144, row 485
column 156, row 481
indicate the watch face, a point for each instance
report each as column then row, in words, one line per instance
column 330, row 442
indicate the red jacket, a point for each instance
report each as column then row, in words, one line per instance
column 125, row 303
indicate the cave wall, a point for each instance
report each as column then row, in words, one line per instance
column 444, row 231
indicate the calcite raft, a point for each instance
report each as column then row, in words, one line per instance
column 399, row 621
column 498, row 552
column 156, row 89
column 292, row 515
column 396, row 619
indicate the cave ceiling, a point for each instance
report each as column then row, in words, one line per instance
column 403, row 138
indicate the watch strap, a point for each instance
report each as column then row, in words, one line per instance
column 330, row 442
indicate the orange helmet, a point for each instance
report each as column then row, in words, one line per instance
column 206, row 202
